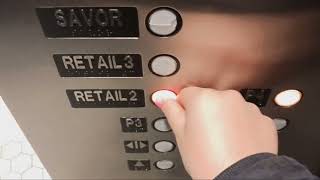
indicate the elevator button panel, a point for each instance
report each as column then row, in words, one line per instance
column 97, row 73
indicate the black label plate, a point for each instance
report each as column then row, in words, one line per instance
column 99, row 65
column 106, row 98
column 134, row 125
column 136, row 146
column 89, row 22
column 139, row 165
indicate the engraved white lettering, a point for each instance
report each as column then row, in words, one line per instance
column 79, row 17
column 79, row 96
column 67, row 61
column 79, row 62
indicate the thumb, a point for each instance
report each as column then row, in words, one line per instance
column 175, row 115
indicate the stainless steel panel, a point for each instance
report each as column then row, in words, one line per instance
column 222, row 44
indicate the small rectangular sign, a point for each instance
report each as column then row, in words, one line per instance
column 106, row 98
column 133, row 125
column 99, row 65
column 139, row 165
column 136, row 146
column 89, row 22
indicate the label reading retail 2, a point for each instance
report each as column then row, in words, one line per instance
column 106, row 98
column 99, row 65
column 89, row 22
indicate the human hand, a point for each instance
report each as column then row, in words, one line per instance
column 215, row 129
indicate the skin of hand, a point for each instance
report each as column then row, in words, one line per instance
column 216, row 129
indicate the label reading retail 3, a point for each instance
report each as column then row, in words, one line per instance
column 89, row 22
column 106, row 98
column 99, row 65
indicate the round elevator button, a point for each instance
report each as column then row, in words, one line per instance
column 280, row 123
column 164, row 65
column 161, row 124
column 164, row 22
column 164, row 164
column 164, row 146
column 288, row 98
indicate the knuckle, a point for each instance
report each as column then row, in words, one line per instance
column 200, row 97
column 233, row 95
column 189, row 90
column 206, row 94
column 253, row 107
column 268, row 119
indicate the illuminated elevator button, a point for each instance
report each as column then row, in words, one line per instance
column 162, row 95
column 164, row 164
column 161, row 125
column 164, row 146
column 164, row 22
column 288, row 98
column 280, row 123
column 164, row 65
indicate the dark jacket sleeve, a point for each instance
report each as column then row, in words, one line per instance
column 267, row 166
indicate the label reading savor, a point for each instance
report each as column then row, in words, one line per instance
column 89, row 22
column 106, row 98
column 99, row 65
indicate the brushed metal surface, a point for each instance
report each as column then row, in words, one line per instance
column 221, row 45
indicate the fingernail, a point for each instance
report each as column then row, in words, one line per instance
column 162, row 96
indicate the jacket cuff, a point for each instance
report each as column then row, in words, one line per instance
column 243, row 164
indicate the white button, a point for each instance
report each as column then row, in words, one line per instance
column 288, row 98
column 164, row 146
column 164, row 65
column 280, row 123
column 164, row 164
column 161, row 125
column 163, row 22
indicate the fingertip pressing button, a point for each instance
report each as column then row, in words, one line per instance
column 161, row 96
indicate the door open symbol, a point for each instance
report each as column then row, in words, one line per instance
column 136, row 146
